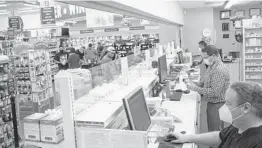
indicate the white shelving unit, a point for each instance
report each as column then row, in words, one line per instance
column 252, row 54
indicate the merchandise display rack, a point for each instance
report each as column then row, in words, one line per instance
column 252, row 54
column 7, row 89
column 33, row 75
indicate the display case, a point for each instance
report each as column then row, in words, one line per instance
column 7, row 88
column 33, row 76
column 252, row 54
column 103, row 88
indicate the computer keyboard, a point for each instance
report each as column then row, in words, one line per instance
column 164, row 144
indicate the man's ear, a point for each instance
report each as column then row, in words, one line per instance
column 248, row 108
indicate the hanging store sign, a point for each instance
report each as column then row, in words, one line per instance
column 14, row 22
column 67, row 11
column 86, row 31
column 52, row 45
column 111, row 29
column 137, row 28
column 48, row 16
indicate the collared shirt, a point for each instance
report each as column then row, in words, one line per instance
column 215, row 82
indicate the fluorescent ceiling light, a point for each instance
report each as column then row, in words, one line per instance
column 230, row 3
column 30, row 5
column 3, row 5
column 33, row 10
column 2, row 13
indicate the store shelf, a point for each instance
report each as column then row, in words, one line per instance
column 252, row 65
column 253, row 52
column 253, row 58
column 45, row 145
column 250, row 28
column 254, row 46
column 247, row 37
column 252, row 71
column 255, row 79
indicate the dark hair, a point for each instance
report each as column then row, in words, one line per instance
column 202, row 43
column 61, row 46
column 250, row 92
column 90, row 45
column 211, row 50
column 72, row 50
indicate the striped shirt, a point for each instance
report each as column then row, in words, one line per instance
column 215, row 81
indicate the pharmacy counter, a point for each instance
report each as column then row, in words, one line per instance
column 188, row 111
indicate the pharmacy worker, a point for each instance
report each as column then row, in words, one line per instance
column 243, row 110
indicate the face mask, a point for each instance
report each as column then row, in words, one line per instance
column 225, row 114
column 206, row 61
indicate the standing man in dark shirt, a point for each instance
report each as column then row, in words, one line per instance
column 61, row 58
column 243, row 110
column 100, row 49
column 73, row 59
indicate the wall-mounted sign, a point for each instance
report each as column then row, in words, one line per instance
column 14, row 22
column 225, row 26
column 52, row 45
column 86, row 31
column 111, row 29
column 48, row 15
column 137, row 28
column 225, row 36
column 67, row 11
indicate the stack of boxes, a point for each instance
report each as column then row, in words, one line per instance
column 41, row 127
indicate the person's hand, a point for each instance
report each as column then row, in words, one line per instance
column 179, row 138
column 190, row 85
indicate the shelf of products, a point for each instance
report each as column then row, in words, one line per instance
column 7, row 88
column 53, row 49
column 252, row 49
column 34, row 81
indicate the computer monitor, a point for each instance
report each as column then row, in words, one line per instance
column 137, row 111
column 162, row 68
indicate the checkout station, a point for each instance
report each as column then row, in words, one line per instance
column 134, row 110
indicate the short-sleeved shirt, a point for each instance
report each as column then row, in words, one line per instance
column 62, row 57
column 251, row 138
column 74, row 61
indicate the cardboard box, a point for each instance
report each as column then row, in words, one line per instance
column 32, row 126
column 52, row 128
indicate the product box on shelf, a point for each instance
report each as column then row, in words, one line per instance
column 52, row 128
column 32, row 126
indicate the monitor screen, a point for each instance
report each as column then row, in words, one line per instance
column 162, row 68
column 137, row 111
column 65, row 31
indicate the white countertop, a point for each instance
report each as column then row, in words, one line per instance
column 187, row 111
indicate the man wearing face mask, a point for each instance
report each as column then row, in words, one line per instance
column 243, row 110
column 213, row 85
column 202, row 45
